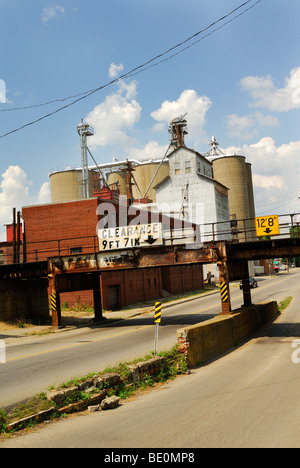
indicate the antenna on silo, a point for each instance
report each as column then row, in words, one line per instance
column 214, row 151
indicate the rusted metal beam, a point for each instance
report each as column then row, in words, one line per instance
column 24, row 270
column 136, row 258
column 262, row 250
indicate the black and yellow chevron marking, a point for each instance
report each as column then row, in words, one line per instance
column 224, row 292
column 53, row 301
column 157, row 316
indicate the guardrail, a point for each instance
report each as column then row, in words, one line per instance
column 243, row 230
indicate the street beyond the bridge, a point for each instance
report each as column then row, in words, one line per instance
column 248, row 398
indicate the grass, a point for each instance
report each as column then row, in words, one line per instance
column 78, row 307
column 285, row 303
column 174, row 364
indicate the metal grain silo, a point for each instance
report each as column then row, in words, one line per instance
column 144, row 176
column 250, row 189
column 119, row 177
column 233, row 172
column 67, row 185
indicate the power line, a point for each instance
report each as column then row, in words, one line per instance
column 87, row 93
column 279, row 198
column 145, row 66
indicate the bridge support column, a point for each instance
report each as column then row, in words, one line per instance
column 224, row 287
column 246, row 292
column 97, row 299
column 55, row 302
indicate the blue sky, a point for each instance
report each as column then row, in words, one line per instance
column 241, row 84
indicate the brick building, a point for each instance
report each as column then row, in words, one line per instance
column 70, row 228
column 11, row 250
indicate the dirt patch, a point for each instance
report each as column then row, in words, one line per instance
column 70, row 318
column 10, row 326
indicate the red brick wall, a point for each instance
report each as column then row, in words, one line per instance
column 134, row 286
column 6, row 250
column 46, row 224
column 180, row 279
column 74, row 298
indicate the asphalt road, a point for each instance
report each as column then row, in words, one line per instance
column 247, row 398
column 35, row 363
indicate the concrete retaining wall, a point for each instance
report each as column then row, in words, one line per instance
column 213, row 337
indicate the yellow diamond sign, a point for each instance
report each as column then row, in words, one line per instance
column 267, row 226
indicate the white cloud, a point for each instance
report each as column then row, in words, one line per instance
column 15, row 193
column 268, row 182
column 276, row 174
column 266, row 95
column 114, row 70
column 44, row 195
column 248, row 126
column 2, row 92
column 152, row 150
column 115, row 117
column 52, row 11
column 188, row 102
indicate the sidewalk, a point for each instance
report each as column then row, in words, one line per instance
column 109, row 316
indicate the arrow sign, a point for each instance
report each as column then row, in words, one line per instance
column 150, row 240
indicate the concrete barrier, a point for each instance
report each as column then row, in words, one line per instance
column 207, row 340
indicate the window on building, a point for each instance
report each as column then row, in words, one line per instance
column 188, row 167
column 75, row 250
column 177, row 169
column 1, row 257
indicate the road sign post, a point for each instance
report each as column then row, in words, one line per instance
column 157, row 320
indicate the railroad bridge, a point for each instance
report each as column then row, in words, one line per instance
column 40, row 280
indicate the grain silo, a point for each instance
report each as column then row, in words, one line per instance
column 118, row 177
column 235, row 173
column 67, row 185
column 250, row 190
column 147, row 176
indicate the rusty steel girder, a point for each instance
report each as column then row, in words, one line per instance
column 24, row 270
column 137, row 258
column 266, row 249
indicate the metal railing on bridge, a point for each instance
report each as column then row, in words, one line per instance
column 237, row 231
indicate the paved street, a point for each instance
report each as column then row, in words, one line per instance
column 248, row 398
column 36, row 363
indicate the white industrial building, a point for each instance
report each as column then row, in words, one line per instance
column 190, row 192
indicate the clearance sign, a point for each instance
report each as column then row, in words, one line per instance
column 126, row 237
column 267, row 226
